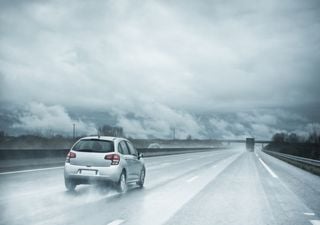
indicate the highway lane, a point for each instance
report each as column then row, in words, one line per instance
column 250, row 191
column 305, row 185
column 219, row 187
column 40, row 196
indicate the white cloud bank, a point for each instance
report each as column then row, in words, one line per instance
column 154, row 120
column 50, row 120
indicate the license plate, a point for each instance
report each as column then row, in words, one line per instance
column 89, row 172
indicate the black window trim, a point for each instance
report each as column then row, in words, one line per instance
column 120, row 150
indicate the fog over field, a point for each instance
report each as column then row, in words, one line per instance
column 209, row 69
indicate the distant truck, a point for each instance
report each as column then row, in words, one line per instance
column 250, row 144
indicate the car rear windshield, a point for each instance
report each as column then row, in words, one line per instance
column 93, row 145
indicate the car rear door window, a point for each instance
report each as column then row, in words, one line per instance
column 132, row 150
column 124, row 148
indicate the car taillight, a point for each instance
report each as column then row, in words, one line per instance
column 115, row 158
column 70, row 156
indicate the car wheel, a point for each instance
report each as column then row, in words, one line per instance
column 142, row 177
column 122, row 183
column 70, row 185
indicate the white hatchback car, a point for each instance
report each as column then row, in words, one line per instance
column 106, row 159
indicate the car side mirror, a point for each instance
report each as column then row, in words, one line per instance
column 140, row 155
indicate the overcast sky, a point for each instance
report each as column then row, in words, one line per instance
column 200, row 66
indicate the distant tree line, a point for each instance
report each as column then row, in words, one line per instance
column 293, row 144
column 313, row 138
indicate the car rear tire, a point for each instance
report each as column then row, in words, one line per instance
column 142, row 177
column 122, row 183
column 70, row 185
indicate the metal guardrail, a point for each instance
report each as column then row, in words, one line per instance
column 296, row 158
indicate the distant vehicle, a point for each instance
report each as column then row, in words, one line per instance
column 104, row 159
column 154, row 145
column 250, row 144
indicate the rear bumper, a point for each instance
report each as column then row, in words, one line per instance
column 105, row 174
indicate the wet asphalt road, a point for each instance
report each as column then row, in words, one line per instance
column 218, row 187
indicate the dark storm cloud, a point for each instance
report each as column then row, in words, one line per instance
column 165, row 62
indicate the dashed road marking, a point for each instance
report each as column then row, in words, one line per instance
column 33, row 170
column 116, row 222
column 309, row 214
column 192, row 179
column 315, row 222
column 268, row 169
column 162, row 165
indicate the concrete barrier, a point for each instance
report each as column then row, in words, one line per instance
column 9, row 154
column 16, row 159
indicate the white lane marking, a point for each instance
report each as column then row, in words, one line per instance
column 162, row 165
column 34, row 170
column 192, row 179
column 116, row 222
column 315, row 222
column 309, row 214
column 268, row 169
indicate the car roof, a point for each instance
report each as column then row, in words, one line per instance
column 106, row 138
